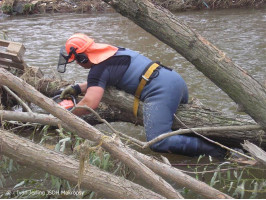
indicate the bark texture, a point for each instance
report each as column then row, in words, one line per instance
column 84, row 130
column 27, row 153
column 206, row 57
column 170, row 173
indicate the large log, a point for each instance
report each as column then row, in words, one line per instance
column 193, row 115
column 170, row 173
column 117, row 106
column 84, row 130
column 27, row 153
column 164, row 170
column 206, row 57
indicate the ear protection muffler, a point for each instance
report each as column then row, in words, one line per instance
column 79, row 57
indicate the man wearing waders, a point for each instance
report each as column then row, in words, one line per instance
column 160, row 88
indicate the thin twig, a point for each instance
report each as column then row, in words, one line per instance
column 217, row 143
column 24, row 105
column 194, row 164
column 165, row 160
column 212, row 171
column 205, row 129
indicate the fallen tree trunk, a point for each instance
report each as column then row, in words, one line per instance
column 164, row 170
column 27, row 153
column 188, row 182
column 192, row 116
column 84, row 130
column 119, row 110
column 207, row 58
column 117, row 106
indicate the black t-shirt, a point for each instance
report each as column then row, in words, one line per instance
column 108, row 72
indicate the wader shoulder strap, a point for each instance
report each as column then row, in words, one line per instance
column 145, row 78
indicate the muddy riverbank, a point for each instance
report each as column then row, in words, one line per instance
column 28, row 7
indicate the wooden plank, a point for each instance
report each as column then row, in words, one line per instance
column 16, row 48
column 4, row 43
column 10, row 56
column 10, row 63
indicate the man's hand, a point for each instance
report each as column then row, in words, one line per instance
column 91, row 99
column 70, row 91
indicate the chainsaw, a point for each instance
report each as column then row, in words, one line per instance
column 65, row 103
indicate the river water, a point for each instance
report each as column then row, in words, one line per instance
column 239, row 33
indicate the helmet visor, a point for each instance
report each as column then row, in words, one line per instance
column 63, row 60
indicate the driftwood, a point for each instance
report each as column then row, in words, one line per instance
column 207, row 58
column 52, row 121
column 23, row 104
column 84, row 130
column 27, row 153
column 47, row 86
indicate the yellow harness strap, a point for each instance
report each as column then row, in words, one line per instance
column 142, row 83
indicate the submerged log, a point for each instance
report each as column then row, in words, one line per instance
column 207, row 58
column 27, row 153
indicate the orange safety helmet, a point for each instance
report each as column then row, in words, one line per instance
column 96, row 52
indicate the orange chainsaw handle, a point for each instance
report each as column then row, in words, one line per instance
column 66, row 103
